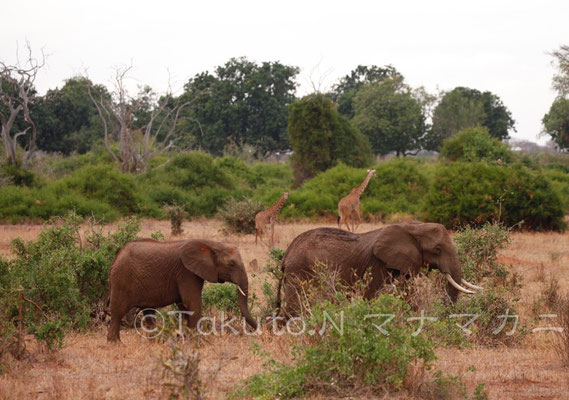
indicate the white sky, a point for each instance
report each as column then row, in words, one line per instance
column 500, row 46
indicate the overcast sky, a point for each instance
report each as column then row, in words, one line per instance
column 500, row 46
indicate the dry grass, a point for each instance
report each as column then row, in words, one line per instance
column 87, row 367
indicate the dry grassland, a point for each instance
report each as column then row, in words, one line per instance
column 87, row 367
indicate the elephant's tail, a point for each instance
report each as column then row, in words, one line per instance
column 339, row 219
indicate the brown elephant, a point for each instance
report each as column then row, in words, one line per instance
column 398, row 249
column 151, row 274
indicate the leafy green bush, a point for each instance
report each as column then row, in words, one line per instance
column 65, row 276
column 476, row 144
column 354, row 356
column 473, row 193
column 239, row 216
column 398, row 188
column 106, row 184
column 17, row 176
column 222, row 297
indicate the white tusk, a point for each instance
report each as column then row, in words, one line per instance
column 457, row 286
column 471, row 286
column 241, row 291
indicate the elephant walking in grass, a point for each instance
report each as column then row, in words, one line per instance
column 398, row 249
column 151, row 274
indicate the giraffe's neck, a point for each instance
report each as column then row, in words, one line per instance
column 360, row 189
column 275, row 208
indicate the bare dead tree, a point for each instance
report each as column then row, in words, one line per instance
column 16, row 95
column 118, row 116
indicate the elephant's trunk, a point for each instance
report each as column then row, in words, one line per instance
column 242, row 297
column 451, row 267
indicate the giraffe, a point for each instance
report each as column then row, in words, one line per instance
column 269, row 216
column 349, row 206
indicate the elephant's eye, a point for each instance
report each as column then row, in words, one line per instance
column 231, row 264
column 438, row 250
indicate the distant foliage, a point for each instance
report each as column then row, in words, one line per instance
column 556, row 122
column 473, row 193
column 320, row 137
column 476, row 144
column 239, row 216
column 398, row 188
column 176, row 214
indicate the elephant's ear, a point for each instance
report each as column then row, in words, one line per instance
column 197, row 256
column 398, row 249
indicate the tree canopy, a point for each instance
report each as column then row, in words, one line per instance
column 321, row 137
column 67, row 119
column 556, row 122
column 463, row 108
column 389, row 115
column 346, row 89
column 242, row 102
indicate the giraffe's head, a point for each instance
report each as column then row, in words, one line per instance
column 372, row 173
column 285, row 195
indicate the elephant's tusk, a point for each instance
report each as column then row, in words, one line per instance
column 457, row 286
column 471, row 286
column 241, row 291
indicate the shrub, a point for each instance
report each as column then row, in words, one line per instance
column 64, row 276
column 355, row 356
column 239, row 216
column 398, row 188
column 476, row 144
column 222, row 297
column 105, row 183
column 176, row 214
column 17, row 176
column 473, row 193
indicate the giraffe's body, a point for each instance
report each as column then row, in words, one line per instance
column 349, row 206
column 269, row 216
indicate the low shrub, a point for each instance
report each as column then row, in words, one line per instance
column 222, row 297
column 176, row 214
column 239, row 216
column 474, row 193
column 354, row 357
column 63, row 275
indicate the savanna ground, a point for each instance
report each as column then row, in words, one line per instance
column 88, row 367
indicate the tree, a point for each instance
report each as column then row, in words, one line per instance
column 561, row 79
column 242, row 102
column 139, row 142
column 556, row 122
column 67, row 119
column 321, row 137
column 389, row 115
column 344, row 92
column 476, row 144
column 463, row 108
column 17, row 93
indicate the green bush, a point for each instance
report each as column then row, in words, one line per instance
column 239, row 216
column 476, row 144
column 222, row 297
column 106, row 184
column 473, row 193
column 355, row 356
column 17, row 176
column 65, row 277
column 397, row 189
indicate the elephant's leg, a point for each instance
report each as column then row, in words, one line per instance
column 118, row 310
column 149, row 322
column 378, row 280
column 190, row 288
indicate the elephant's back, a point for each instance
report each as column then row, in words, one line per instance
column 320, row 244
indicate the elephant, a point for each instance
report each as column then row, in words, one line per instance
column 150, row 274
column 398, row 249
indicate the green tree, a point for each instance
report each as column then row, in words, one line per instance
column 476, row 144
column 66, row 118
column 466, row 108
column 345, row 91
column 561, row 62
column 556, row 122
column 242, row 102
column 389, row 115
column 320, row 137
